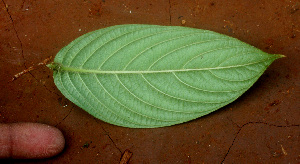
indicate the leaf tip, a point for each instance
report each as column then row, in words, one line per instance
column 280, row 56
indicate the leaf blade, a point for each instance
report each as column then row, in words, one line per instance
column 144, row 76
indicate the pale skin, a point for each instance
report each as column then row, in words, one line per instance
column 30, row 141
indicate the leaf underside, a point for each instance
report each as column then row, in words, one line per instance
column 145, row 76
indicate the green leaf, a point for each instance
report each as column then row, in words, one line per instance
column 144, row 76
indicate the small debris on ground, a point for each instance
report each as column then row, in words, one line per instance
column 283, row 151
column 126, row 157
column 16, row 76
column 86, row 145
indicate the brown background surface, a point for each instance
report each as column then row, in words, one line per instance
column 262, row 126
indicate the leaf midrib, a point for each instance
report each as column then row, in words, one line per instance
column 61, row 68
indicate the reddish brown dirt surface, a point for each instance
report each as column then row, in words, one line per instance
column 262, row 126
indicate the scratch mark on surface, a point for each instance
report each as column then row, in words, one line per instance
column 249, row 123
column 21, row 46
column 65, row 116
column 233, row 122
column 17, row 35
column 170, row 16
column 107, row 133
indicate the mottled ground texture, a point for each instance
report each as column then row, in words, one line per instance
column 262, row 126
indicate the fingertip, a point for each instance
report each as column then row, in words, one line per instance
column 33, row 140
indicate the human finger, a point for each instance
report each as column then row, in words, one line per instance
column 30, row 141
